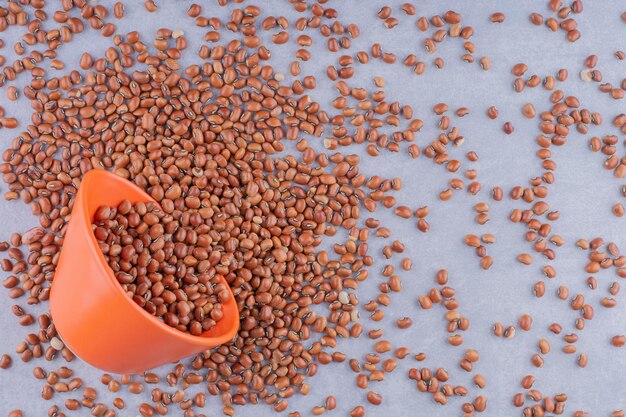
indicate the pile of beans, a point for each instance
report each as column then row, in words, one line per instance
column 259, row 184
column 163, row 263
column 201, row 141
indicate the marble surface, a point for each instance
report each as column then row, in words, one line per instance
column 583, row 192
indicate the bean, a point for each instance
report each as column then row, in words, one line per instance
column 409, row 9
column 618, row 341
column 497, row 17
column 404, row 323
column 472, row 355
column 525, row 322
column 146, row 410
column 509, row 332
column 72, row 404
column 404, row 212
column 358, row 411
column 528, row 111
column 486, row 262
column 455, row 340
column 150, row 6
column 118, row 10
column 382, row 346
column 362, row 381
column 5, row 361
column 374, row 398
column 330, row 403
column 440, row 398
column 525, row 258
column 135, row 388
column 480, row 403
column 401, row 352
column 519, row 69
column 472, row 241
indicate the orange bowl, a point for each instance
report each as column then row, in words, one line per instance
column 95, row 317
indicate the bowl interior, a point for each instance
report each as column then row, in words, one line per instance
column 100, row 187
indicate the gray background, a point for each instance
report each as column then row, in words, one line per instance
column 584, row 193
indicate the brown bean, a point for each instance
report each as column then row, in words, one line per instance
column 618, row 341
column 5, row 361
column 358, row 411
column 150, row 6
column 480, row 403
column 525, row 322
column 486, row 262
column 374, row 398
